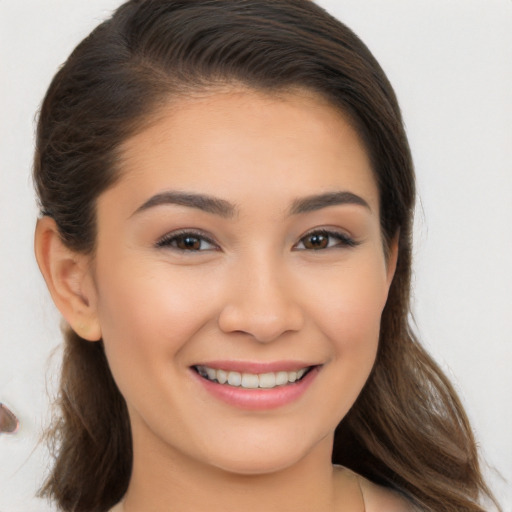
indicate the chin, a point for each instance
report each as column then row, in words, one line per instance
column 271, row 455
column 250, row 465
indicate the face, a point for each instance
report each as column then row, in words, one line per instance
column 240, row 277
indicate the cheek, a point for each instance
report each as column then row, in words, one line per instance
column 147, row 312
column 350, row 308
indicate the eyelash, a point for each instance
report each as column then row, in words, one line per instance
column 172, row 240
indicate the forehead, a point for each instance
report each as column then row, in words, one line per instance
column 244, row 142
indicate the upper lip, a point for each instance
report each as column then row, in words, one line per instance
column 256, row 366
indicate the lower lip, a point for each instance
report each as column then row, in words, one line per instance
column 259, row 399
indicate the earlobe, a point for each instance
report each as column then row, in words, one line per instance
column 68, row 277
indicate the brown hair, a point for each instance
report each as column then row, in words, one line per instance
column 407, row 430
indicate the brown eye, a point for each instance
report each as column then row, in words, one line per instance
column 316, row 241
column 187, row 242
column 321, row 239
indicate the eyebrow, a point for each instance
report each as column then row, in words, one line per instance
column 200, row 201
column 317, row 202
column 226, row 209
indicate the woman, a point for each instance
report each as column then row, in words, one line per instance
column 226, row 193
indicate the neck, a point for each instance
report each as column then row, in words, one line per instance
column 163, row 481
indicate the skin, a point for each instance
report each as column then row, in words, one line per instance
column 257, row 291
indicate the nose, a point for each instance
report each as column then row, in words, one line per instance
column 261, row 302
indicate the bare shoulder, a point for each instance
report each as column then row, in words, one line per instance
column 358, row 493
column 381, row 499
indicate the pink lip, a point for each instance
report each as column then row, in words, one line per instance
column 257, row 399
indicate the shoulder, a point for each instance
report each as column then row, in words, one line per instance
column 358, row 493
column 381, row 499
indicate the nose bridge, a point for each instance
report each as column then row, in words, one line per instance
column 261, row 300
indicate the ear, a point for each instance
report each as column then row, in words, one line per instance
column 392, row 257
column 69, row 279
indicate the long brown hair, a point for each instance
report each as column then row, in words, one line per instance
column 407, row 430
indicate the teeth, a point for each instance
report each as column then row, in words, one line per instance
column 234, row 379
column 282, row 378
column 251, row 380
column 267, row 380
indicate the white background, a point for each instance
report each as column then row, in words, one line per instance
column 451, row 64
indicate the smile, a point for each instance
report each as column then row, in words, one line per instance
column 236, row 379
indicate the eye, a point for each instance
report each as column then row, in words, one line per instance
column 324, row 239
column 189, row 241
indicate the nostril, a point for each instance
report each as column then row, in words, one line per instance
column 9, row 424
column 264, row 322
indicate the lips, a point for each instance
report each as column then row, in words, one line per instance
column 255, row 386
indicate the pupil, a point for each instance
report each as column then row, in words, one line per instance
column 318, row 241
column 190, row 242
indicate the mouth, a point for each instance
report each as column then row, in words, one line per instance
column 267, row 380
